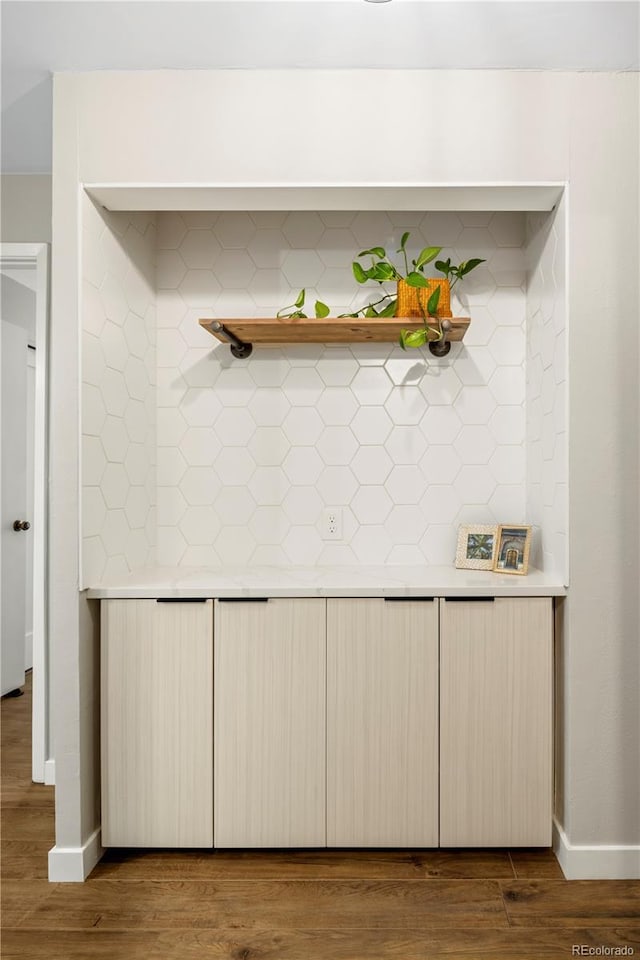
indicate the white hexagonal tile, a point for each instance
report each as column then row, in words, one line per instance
column 113, row 299
column 405, row 444
column 507, row 345
column 337, row 406
column 136, row 335
column 269, row 290
column 171, row 230
column 303, row 229
column 406, row 405
column 302, row 386
column 235, row 505
column 114, row 392
column 508, row 464
column 269, row 485
column 234, row 229
column 407, row 369
column 268, row 406
column 508, row 228
column 475, row 367
column 507, row 503
column 337, row 247
column 475, row 405
column 371, row 354
column 171, row 506
column 269, row 525
column 440, row 425
column 171, row 427
column 269, row 369
column 507, row 424
column 337, row 368
column 439, row 544
column 136, row 379
column 371, row 425
column 171, row 546
column 137, row 462
column 93, row 410
column 170, row 269
column 94, row 560
column 269, row 446
column 202, row 368
column 441, row 385
column 337, row 485
column 234, row 465
column 475, row 444
column 115, row 532
column 200, row 407
column 114, row 346
column 234, row 386
column 171, row 348
column 440, row 464
column 302, row 269
column 405, row 524
column 136, row 507
column 507, row 385
column 475, row 484
column 267, row 248
column 371, row 465
column 337, row 445
column 438, row 229
column 268, row 219
column 440, row 503
column 200, row 447
column 115, row 485
column 199, row 288
column 234, row 270
column 171, row 466
column 304, row 354
column 371, row 504
column 371, row 227
column 200, row 485
column 405, row 484
column 372, row 544
column 303, row 545
column 302, row 505
column 303, row 465
column 507, row 307
column 200, row 525
column 137, row 421
column 371, row 386
column 93, row 312
column 302, row 426
column 200, row 219
column 508, row 268
column 115, row 439
column 337, row 218
column 199, row 250
column 93, row 461
column 475, row 218
column 234, row 427
column 93, row 362
column 93, row 511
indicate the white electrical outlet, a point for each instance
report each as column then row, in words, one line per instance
column 332, row 523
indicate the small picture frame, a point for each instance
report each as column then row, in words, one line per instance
column 513, row 543
column 476, row 547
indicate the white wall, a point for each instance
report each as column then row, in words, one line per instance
column 25, row 208
column 230, row 127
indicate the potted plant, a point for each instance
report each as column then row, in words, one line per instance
column 296, row 311
column 416, row 295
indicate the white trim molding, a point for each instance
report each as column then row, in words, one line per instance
column 74, row 864
column 595, row 861
column 50, row 772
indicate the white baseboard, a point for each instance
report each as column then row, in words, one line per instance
column 74, row 864
column 50, row 773
column 595, row 862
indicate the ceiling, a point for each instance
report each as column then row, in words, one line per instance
column 39, row 38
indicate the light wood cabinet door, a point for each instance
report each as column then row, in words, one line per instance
column 495, row 723
column 382, row 723
column 269, row 722
column 157, row 719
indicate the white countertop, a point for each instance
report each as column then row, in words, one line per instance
column 361, row 581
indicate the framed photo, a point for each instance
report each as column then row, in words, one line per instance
column 512, row 549
column 476, row 547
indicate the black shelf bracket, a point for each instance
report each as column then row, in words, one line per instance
column 238, row 347
column 441, row 347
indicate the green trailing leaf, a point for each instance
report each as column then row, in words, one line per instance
column 322, row 310
column 374, row 252
column 403, row 242
column 389, row 310
column 383, row 272
column 415, row 279
column 371, row 311
column 299, row 302
column 444, row 266
column 469, row 265
column 415, row 338
column 359, row 273
column 426, row 256
column 432, row 304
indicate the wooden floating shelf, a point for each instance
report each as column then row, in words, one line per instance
column 274, row 330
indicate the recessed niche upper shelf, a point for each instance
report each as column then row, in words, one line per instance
column 271, row 331
column 373, row 196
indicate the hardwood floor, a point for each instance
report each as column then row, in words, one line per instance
column 321, row 905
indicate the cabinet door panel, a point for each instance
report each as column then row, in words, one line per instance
column 382, row 723
column 269, row 755
column 157, row 709
column 495, row 723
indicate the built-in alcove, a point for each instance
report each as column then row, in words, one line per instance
column 193, row 458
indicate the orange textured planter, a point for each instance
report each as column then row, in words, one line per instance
column 409, row 304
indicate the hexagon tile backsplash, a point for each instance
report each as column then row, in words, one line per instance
column 249, row 452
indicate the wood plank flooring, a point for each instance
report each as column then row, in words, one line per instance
column 288, row 905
